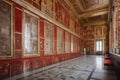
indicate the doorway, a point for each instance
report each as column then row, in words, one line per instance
column 99, row 47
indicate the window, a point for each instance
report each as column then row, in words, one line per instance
column 99, row 45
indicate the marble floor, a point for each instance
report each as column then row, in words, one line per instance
column 89, row 67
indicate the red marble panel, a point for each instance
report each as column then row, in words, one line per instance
column 17, row 54
column 4, row 68
column 18, row 41
column 35, row 63
column 18, row 20
column 41, row 27
column 16, row 66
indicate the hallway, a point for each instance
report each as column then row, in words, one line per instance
column 89, row 67
column 46, row 39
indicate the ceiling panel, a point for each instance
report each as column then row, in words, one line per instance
column 89, row 10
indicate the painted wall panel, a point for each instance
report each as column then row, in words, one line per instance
column 49, row 38
column 60, row 40
column 67, row 42
column 53, row 41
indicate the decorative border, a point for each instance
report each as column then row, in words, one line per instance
column 23, row 42
column 11, row 30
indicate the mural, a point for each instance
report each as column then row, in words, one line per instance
column 60, row 40
column 90, row 46
column 93, row 33
column 67, row 42
column 49, row 38
column 30, row 31
column 98, row 32
column 5, row 29
column 89, row 32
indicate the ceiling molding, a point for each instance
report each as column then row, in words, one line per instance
column 98, row 22
column 91, row 13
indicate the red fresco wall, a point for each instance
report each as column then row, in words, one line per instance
column 91, row 35
column 18, row 63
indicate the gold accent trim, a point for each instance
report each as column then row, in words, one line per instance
column 18, row 8
column 23, row 21
column 18, row 33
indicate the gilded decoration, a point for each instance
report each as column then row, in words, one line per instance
column 5, row 29
column 47, row 7
column 30, row 30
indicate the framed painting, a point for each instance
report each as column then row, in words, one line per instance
column 60, row 40
column 67, row 42
column 30, row 34
column 49, row 38
column 74, row 44
column 5, row 29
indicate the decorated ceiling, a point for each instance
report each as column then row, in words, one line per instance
column 87, row 10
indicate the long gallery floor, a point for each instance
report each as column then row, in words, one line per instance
column 89, row 67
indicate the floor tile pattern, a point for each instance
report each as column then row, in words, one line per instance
column 83, row 68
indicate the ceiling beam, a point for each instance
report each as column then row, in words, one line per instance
column 94, row 13
column 98, row 22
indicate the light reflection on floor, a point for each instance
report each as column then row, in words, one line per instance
column 77, row 69
column 99, row 62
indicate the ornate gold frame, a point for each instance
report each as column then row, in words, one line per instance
column 11, row 30
column 23, row 42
